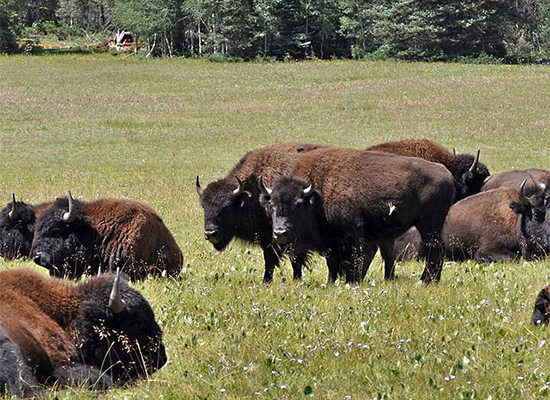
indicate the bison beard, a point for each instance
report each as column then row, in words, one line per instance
column 107, row 233
column 364, row 199
column 55, row 332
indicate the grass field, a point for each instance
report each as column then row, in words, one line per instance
column 107, row 126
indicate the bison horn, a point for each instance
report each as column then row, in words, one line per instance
column 475, row 163
column 311, row 187
column 71, row 214
column 13, row 214
column 239, row 189
column 263, row 188
column 540, row 187
column 198, row 186
column 454, row 151
column 116, row 304
column 522, row 198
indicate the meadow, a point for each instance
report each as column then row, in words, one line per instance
column 107, row 126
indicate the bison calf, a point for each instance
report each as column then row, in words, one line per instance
column 17, row 221
column 73, row 237
column 357, row 200
column 100, row 332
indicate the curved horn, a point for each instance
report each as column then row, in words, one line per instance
column 311, row 187
column 198, row 187
column 263, row 188
column 454, row 151
column 540, row 186
column 239, row 188
column 475, row 163
column 13, row 214
column 116, row 304
column 522, row 198
column 71, row 214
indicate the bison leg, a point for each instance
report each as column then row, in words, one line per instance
column 298, row 261
column 271, row 260
column 370, row 251
column 431, row 240
column 387, row 252
column 333, row 264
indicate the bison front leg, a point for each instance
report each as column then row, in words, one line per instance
column 298, row 261
column 271, row 260
column 433, row 245
column 388, row 254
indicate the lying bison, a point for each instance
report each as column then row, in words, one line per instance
column 73, row 237
column 499, row 224
column 353, row 201
column 100, row 332
column 468, row 173
column 231, row 206
column 541, row 313
column 17, row 228
column 514, row 178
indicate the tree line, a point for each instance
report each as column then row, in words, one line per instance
column 483, row 30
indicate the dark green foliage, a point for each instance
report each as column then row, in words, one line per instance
column 7, row 36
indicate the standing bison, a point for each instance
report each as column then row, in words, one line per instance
column 17, row 221
column 499, row 224
column 353, row 201
column 232, row 209
column 100, row 332
column 73, row 237
column 468, row 173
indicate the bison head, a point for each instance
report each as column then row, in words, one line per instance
column 534, row 221
column 16, row 229
column 225, row 206
column 64, row 239
column 469, row 174
column 116, row 330
column 294, row 206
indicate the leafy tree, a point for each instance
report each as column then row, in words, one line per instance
column 8, row 43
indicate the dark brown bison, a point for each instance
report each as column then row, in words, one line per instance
column 468, row 173
column 353, row 201
column 514, row 178
column 100, row 332
column 232, row 209
column 75, row 237
column 499, row 224
column 17, row 228
column 541, row 313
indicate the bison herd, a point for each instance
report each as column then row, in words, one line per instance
column 412, row 199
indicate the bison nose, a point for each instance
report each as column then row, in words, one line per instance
column 281, row 235
column 212, row 235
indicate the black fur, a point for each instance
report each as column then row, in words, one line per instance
column 467, row 183
column 65, row 249
column 541, row 313
column 16, row 236
column 15, row 375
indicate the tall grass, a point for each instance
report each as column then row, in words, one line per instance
column 106, row 126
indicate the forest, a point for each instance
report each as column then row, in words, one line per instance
column 509, row 31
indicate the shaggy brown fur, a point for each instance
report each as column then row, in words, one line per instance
column 365, row 198
column 422, row 148
column 514, row 178
column 109, row 233
column 483, row 227
column 64, row 332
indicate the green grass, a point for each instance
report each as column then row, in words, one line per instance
column 116, row 126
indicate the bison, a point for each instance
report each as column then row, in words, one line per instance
column 514, row 178
column 17, row 221
column 468, row 173
column 75, row 237
column 232, row 209
column 100, row 332
column 499, row 224
column 541, row 313
column 344, row 203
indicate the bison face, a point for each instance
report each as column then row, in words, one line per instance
column 541, row 313
column 16, row 230
column 225, row 207
column 124, row 344
column 65, row 248
column 293, row 205
column 469, row 175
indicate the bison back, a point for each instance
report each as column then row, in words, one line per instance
column 513, row 179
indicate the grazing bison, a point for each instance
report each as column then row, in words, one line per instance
column 541, row 313
column 468, row 173
column 499, row 224
column 514, row 178
column 73, row 237
column 356, row 200
column 17, row 228
column 100, row 332
column 232, row 209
